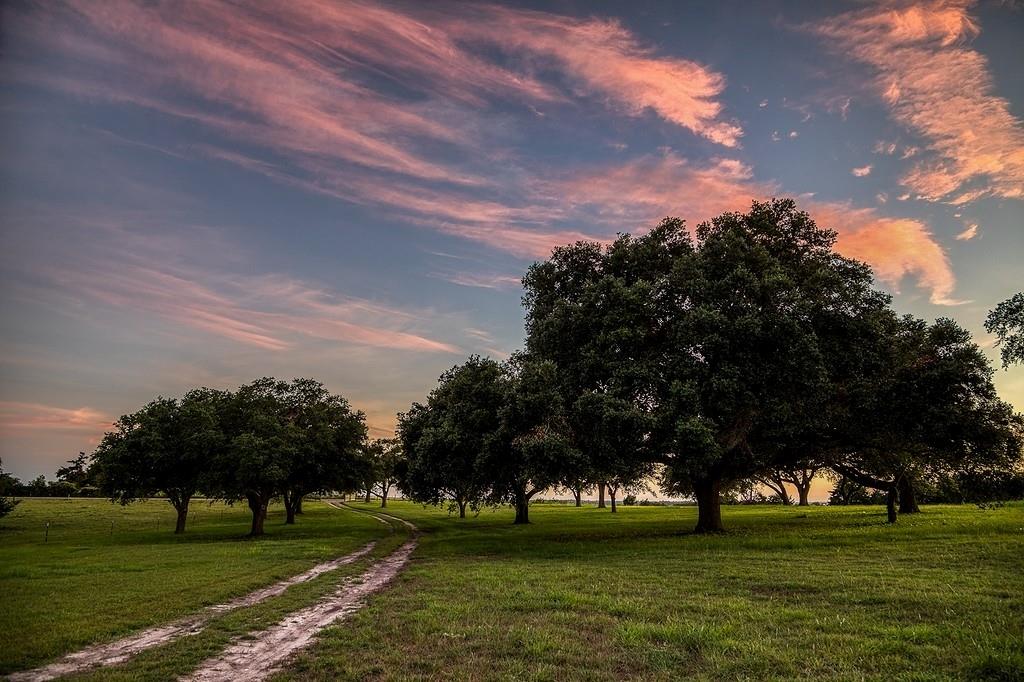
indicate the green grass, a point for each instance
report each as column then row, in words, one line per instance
column 91, row 581
column 819, row 593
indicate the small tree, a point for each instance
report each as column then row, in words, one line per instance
column 443, row 438
column 931, row 407
column 800, row 476
column 529, row 451
column 260, row 448
column 1006, row 321
column 325, row 436
column 168, row 446
column 76, row 472
column 777, row 484
column 36, row 487
column 389, row 460
column 8, row 484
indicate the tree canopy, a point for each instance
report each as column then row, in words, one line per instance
column 721, row 344
column 1006, row 321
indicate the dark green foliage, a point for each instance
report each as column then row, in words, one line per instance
column 7, row 486
column 443, row 438
column 167, row 447
column 929, row 409
column 285, row 438
column 268, row 438
column 1006, row 321
column 77, row 472
column 725, row 347
column 385, row 464
column 530, row 450
column 488, row 434
column 846, row 492
column 326, row 437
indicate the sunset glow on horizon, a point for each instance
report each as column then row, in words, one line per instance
column 205, row 193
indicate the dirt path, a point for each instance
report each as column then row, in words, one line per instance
column 263, row 653
column 121, row 650
column 375, row 514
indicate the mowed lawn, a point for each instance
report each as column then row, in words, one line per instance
column 107, row 570
column 581, row 594
column 818, row 593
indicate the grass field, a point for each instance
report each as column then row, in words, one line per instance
column 106, row 570
column 818, row 593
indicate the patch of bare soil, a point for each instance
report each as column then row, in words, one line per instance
column 121, row 650
column 262, row 653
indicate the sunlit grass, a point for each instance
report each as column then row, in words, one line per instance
column 788, row 593
column 106, row 570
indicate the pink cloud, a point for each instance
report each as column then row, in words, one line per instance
column 895, row 248
column 861, row 171
column 480, row 281
column 605, row 59
column 290, row 79
column 635, row 194
column 267, row 312
column 35, row 416
column 970, row 233
column 289, row 82
column 941, row 89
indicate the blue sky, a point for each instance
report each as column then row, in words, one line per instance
column 201, row 194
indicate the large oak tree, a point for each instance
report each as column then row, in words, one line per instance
column 717, row 339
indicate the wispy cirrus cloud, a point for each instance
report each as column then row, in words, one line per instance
column 30, row 416
column 268, row 312
column 970, row 232
column 941, row 89
column 895, row 248
column 605, row 59
column 480, row 280
column 293, row 79
column 386, row 106
column 136, row 263
column 293, row 84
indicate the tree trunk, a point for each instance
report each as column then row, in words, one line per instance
column 600, row 495
column 462, row 508
column 578, row 494
column 368, row 491
column 804, row 490
column 522, row 503
column 258, row 506
column 908, row 500
column 612, row 492
column 384, row 495
column 182, row 509
column 291, row 501
column 890, row 504
column 778, row 486
column 298, row 505
column 709, row 506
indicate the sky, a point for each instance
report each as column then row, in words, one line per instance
column 204, row 193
